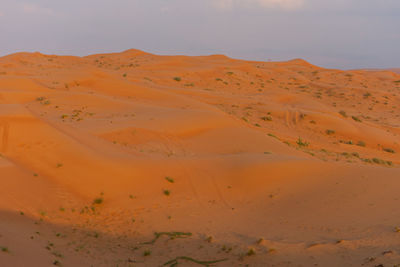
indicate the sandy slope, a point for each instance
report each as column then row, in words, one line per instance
column 255, row 163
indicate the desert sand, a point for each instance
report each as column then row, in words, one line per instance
column 135, row 159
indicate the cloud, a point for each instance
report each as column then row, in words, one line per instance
column 37, row 10
column 287, row 4
column 224, row 4
column 282, row 4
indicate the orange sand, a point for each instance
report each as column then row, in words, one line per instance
column 267, row 164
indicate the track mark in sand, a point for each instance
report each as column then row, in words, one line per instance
column 292, row 118
column 213, row 182
column 64, row 196
column 220, row 196
column 4, row 132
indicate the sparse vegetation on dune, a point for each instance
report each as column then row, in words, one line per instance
column 300, row 142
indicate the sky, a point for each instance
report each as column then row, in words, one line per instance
column 343, row 34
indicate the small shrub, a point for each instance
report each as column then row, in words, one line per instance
column 367, row 160
column 251, row 252
column 346, row 142
column 329, row 132
column 356, row 119
column 389, row 150
column 266, row 118
column 167, row 192
column 147, row 253
column 361, row 143
column 169, row 179
column 343, row 113
column 178, row 79
column 272, row 135
column 366, row 95
column 302, row 143
column 382, row 162
column 98, row 201
column 271, row 250
column 378, row 161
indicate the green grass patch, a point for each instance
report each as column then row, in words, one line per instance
column 171, row 235
column 175, row 262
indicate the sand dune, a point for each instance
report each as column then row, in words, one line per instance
column 250, row 163
column 397, row 70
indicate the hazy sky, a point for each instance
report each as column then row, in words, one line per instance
column 329, row 33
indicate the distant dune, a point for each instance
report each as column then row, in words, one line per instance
column 395, row 70
column 135, row 159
